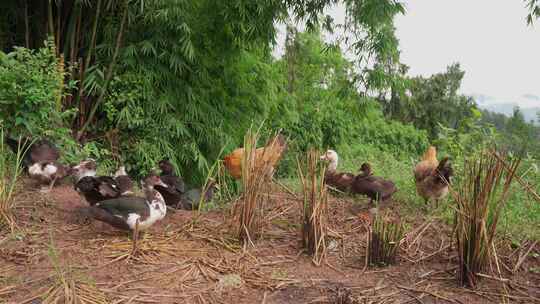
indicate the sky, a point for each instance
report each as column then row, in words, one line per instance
column 490, row 39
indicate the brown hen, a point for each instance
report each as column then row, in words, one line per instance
column 264, row 156
column 431, row 177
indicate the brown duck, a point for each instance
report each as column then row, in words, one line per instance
column 376, row 188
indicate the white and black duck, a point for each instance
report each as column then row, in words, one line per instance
column 175, row 185
column 125, row 183
column 40, row 158
column 94, row 188
column 124, row 212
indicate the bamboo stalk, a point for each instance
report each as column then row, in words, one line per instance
column 26, row 26
column 108, row 77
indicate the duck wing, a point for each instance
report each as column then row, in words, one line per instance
column 175, row 183
column 107, row 186
column 123, row 206
column 125, row 183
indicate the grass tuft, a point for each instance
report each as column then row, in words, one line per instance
column 480, row 198
column 384, row 238
column 9, row 174
column 315, row 203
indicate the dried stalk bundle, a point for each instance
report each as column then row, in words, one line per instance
column 315, row 198
column 257, row 170
column 384, row 239
column 480, row 198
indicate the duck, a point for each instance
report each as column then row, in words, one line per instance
column 175, row 185
column 42, row 150
column 339, row 180
column 40, row 159
column 47, row 173
column 376, row 188
column 432, row 177
column 190, row 199
column 125, row 212
column 124, row 181
column 94, row 188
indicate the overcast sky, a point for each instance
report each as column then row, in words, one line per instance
column 498, row 51
column 490, row 39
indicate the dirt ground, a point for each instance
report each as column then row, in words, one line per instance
column 54, row 255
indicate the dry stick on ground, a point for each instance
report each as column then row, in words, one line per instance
column 427, row 292
column 524, row 256
column 494, row 251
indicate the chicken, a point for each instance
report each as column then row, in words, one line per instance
column 266, row 156
column 431, row 177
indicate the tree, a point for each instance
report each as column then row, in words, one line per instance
column 534, row 10
column 180, row 78
column 428, row 102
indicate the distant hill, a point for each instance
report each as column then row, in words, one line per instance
column 508, row 108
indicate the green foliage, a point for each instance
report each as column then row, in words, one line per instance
column 533, row 7
column 30, row 84
column 430, row 102
column 514, row 132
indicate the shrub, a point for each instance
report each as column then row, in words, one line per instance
column 31, row 91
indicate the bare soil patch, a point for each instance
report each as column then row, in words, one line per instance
column 196, row 259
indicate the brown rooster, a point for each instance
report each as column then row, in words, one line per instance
column 268, row 155
column 432, row 177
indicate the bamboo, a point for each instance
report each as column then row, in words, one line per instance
column 26, row 26
column 109, row 74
